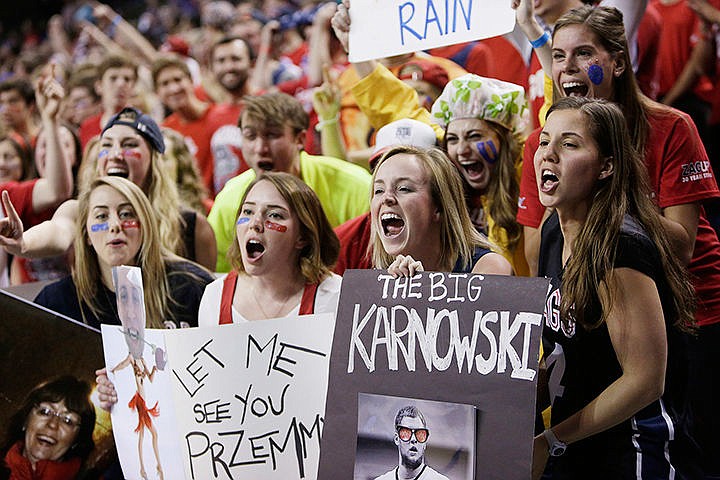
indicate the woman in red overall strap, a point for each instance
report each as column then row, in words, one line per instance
column 282, row 256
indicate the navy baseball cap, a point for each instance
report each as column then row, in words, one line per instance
column 143, row 124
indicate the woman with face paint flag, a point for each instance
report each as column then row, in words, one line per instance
column 482, row 124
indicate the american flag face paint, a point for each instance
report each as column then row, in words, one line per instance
column 242, row 220
column 275, row 226
column 99, row 227
column 132, row 154
column 127, row 224
column 103, row 153
column 487, row 151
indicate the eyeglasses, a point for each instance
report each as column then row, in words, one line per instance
column 405, row 433
column 67, row 419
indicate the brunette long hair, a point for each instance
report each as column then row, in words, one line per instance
column 625, row 192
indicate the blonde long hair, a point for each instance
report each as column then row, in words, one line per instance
column 151, row 258
column 625, row 192
column 458, row 237
column 159, row 188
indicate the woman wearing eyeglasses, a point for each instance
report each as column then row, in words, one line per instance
column 50, row 436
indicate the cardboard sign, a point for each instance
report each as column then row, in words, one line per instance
column 250, row 397
column 452, row 338
column 383, row 28
column 37, row 346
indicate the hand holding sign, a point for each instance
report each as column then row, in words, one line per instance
column 341, row 23
column 106, row 390
column 405, row 266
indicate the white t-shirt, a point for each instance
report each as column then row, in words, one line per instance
column 428, row 473
column 326, row 300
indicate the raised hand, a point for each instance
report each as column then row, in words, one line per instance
column 524, row 11
column 11, row 227
column 49, row 94
column 325, row 13
column 705, row 10
column 341, row 23
column 326, row 98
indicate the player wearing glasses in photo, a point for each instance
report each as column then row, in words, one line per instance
column 411, row 436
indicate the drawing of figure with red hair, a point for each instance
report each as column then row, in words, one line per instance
column 128, row 287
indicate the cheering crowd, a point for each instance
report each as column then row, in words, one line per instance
column 233, row 153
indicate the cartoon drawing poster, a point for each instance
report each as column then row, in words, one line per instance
column 144, row 418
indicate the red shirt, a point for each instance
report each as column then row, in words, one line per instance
column 680, row 28
column 21, row 198
column 494, row 57
column 536, row 88
column 354, row 236
column 648, row 40
column 510, row 66
column 478, row 58
column 680, row 173
column 89, row 128
column 199, row 136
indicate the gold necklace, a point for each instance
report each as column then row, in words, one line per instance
column 277, row 311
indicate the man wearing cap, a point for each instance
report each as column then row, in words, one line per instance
column 273, row 130
column 354, row 235
column 411, row 436
column 130, row 144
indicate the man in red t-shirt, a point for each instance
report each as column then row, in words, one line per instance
column 230, row 65
column 198, row 121
column 116, row 81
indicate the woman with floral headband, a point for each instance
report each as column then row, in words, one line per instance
column 482, row 123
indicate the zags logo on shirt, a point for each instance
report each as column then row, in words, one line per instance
column 692, row 172
column 552, row 315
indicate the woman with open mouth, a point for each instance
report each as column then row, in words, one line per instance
column 117, row 226
column 419, row 220
column 620, row 311
column 282, row 257
column 485, row 122
column 590, row 57
column 50, row 436
column 130, row 147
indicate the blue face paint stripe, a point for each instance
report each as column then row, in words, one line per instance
column 482, row 148
column 99, row 227
column 595, row 73
column 242, row 220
